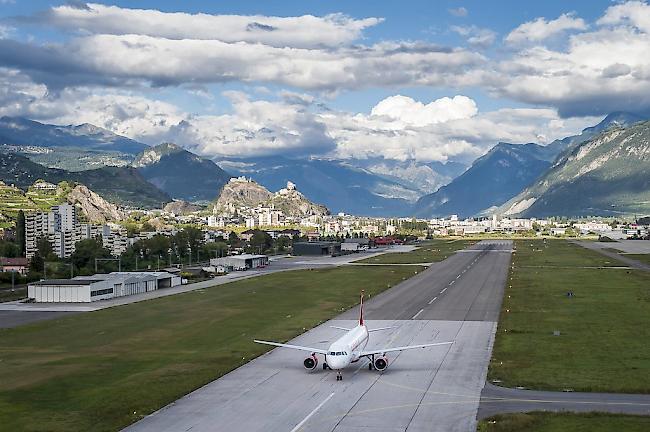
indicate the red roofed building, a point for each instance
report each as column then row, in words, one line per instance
column 18, row 265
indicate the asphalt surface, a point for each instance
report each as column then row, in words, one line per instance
column 431, row 389
column 500, row 400
column 600, row 248
column 9, row 318
column 468, row 286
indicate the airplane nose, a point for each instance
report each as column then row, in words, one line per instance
column 334, row 363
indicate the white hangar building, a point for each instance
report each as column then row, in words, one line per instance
column 85, row 289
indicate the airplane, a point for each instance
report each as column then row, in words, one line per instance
column 350, row 348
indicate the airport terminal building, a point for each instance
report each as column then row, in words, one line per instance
column 86, row 289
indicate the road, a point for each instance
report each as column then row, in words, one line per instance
column 433, row 389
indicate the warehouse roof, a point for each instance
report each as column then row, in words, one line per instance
column 66, row 282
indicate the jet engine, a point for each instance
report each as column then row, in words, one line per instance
column 311, row 362
column 381, row 363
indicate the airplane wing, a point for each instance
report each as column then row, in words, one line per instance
column 296, row 347
column 403, row 348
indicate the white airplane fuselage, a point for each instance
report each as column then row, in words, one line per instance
column 346, row 349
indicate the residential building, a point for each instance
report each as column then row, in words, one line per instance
column 18, row 265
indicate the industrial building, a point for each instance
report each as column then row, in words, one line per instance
column 356, row 244
column 316, row 248
column 85, row 289
column 240, row 262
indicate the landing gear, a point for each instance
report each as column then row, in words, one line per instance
column 339, row 377
column 372, row 362
column 325, row 367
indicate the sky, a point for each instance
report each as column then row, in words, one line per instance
column 410, row 80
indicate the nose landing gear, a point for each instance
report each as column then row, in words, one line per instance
column 339, row 377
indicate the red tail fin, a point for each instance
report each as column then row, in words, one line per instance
column 361, row 310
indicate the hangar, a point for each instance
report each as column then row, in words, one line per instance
column 317, row 248
column 86, row 289
column 240, row 262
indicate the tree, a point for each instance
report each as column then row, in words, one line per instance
column 233, row 238
column 44, row 249
column 215, row 249
column 86, row 251
column 282, row 243
column 9, row 249
column 260, row 241
column 20, row 232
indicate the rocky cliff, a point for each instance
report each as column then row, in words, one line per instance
column 245, row 193
column 93, row 206
column 241, row 192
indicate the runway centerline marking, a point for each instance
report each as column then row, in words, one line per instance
column 301, row 424
column 432, row 300
column 417, row 314
column 443, row 290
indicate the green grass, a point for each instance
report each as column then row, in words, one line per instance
column 564, row 422
column 103, row 370
column 431, row 251
column 7, row 295
column 605, row 328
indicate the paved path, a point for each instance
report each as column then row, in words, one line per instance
column 500, row 400
column 434, row 389
column 600, row 248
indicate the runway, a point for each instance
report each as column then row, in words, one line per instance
column 431, row 389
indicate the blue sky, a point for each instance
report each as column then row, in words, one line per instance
column 422, row 80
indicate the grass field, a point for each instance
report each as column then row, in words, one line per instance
column 103, row 370
column 8, row 295
column 564, row 422
column 431, row 251
column 604, row 329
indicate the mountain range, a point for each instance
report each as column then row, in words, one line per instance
column 506, row 179
column 120, row 185
column 336, row 184
column 606, row 175
column 505, row 171
column 181, row 174
column 23, row 132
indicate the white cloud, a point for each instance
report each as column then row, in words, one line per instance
column 540, row 29
column 462, row 137
column 254, row 128
column 5, row 31
column 114, row 59
column 305, row 31
column 458, row 12
column 476, row 36
column 397, row 127
column 402, row 109
column 600, row 71
column 635, row 13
